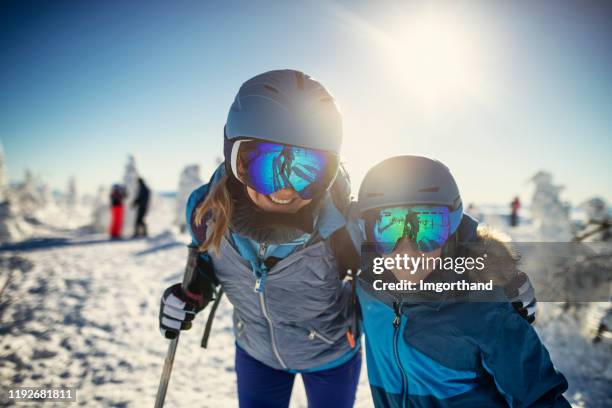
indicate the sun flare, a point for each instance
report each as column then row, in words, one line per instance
column 435, row 57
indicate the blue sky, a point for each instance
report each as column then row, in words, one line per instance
column 497, row 90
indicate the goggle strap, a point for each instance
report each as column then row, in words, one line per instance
column 234, row 158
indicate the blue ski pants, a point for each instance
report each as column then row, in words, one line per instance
column 260, row 386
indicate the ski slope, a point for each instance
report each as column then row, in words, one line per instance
column 79, row 310
column 82, row 311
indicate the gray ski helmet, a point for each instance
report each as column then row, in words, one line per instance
column 288, row 107
column 410, row 180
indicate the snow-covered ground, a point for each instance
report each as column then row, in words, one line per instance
column 79, row 310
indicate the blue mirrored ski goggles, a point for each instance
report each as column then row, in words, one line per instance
column 427, row 227
column 269, row 167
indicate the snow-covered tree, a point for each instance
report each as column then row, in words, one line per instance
column 45, row 194
column 17, row 206
column 189, row 180
column 549, row 213
column 130, row 181
column 100, row 217
column 13, row 226
column 71, row 193
column 596, row 209
column 27, row 196
column 597, row 223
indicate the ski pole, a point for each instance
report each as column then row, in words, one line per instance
column 211, row 316
column 192, row 259
column 165, row 377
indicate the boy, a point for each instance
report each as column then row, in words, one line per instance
column 450, row 348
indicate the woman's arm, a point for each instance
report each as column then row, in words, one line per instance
column 182, row 301
column 200, row 276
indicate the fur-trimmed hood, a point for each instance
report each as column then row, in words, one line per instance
column 501, row 258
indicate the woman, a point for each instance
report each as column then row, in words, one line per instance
column 462, row 347
column 264, row 228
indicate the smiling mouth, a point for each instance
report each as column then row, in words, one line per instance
column 280, row 201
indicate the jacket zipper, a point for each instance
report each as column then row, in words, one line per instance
column 397, row 321
column 263, row 247
column 265, row 313
column 262, row 253
column 313, row 333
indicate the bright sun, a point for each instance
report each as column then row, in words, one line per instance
column 435, row 58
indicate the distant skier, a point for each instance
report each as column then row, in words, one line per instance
column 515, row 205
column 117, row 196
column 141, row 203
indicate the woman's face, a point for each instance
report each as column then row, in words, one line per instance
column 282, row 201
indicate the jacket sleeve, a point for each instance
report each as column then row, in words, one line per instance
column 520, row 364
column 502, row 268
column 200, row 276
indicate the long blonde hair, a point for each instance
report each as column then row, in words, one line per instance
column 218, row 204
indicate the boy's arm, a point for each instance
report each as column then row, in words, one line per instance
column 501, row 266
column 520, row 364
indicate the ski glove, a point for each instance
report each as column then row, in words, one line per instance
column 522, row 296
column 178, row 309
